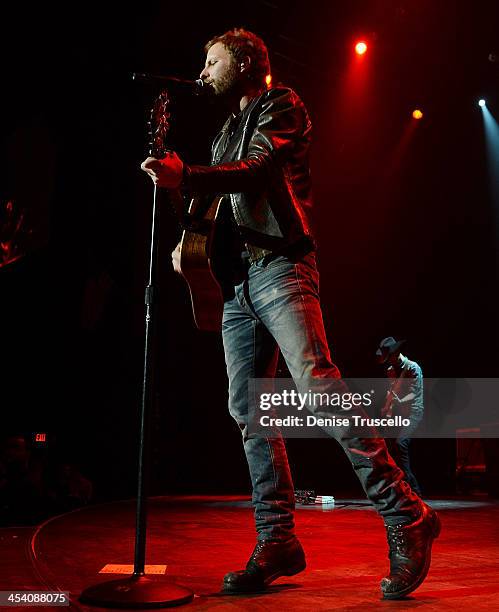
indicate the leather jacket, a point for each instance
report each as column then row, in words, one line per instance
column 263, row 167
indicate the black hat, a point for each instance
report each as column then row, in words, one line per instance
column 388, row 346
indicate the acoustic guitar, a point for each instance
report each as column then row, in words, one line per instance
column 199, row 234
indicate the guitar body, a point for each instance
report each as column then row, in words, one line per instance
column 198, row 266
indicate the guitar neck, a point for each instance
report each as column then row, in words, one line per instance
column 177, row 203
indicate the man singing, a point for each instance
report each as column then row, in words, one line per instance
column 260, row 163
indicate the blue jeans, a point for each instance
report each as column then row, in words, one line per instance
column 276, row 306
column 404, row 461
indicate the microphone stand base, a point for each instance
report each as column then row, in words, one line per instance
column 137, row 592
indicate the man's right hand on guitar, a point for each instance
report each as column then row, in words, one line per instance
column 176, row 259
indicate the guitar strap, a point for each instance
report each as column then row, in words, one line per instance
column 224, row 142
column 232, row 128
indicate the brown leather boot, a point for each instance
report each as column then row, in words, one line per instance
column 270, row 559
column 410, row 553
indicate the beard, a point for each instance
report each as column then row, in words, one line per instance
column 227, row 85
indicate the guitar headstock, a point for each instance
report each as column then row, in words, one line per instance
column 159, row 125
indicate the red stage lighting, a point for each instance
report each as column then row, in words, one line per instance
column 268, row 80
column 417, row 114
column 360, row 47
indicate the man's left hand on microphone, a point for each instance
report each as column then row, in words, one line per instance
column 166, row 172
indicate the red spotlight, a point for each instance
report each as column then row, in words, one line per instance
column 417, row 114
column 360, row 47
column 268, row 80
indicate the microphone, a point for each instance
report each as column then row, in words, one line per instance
column 200, row 87
column 197, row 87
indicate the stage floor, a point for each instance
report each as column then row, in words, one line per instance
column 199, row 539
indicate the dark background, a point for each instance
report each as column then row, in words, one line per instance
column 406, row 227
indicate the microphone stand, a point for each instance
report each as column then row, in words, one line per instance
column 137, row 590
column 197, row 87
